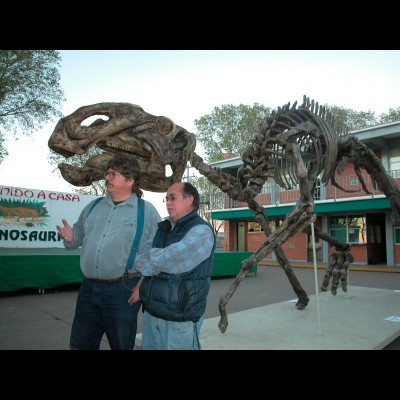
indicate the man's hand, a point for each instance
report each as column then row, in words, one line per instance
column 135, row 297
column 66, row 233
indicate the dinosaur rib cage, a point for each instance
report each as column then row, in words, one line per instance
column 310, row 128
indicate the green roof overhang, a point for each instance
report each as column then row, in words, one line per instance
column 324, row 207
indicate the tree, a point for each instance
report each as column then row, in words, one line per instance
column 97, row 188
column 353, row 120
column 210, row 197
column 30, row 93
column 392, row 116
column 3, row 150
column 229, row 129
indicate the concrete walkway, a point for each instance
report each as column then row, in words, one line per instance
column 360, row 319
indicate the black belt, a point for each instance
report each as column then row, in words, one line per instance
column 126, row 275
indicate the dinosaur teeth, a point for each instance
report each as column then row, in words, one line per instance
column 139, row 128
column 119, row 147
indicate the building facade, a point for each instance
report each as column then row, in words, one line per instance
column 356, row 217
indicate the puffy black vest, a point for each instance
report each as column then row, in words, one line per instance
column 178, row 297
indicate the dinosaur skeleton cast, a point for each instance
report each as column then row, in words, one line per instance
column 296, row 145
column 155, row 142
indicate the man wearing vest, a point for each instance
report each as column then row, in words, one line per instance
column 110, row 230
column 177, row 274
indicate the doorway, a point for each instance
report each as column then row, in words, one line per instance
column 376, row 239
column 241, row 236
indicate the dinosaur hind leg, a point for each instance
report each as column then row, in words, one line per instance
column 224, row 300
column 302, row 296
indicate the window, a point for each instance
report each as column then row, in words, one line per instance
column 374, row 234
column 397, row 234
column 256, row 227
column 377, row 230
column 317, row 193
column 395, row 162
column 349, row 228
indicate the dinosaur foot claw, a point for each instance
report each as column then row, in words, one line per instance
column 223, row 324
column 302, row 303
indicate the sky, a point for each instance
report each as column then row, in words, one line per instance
column 185, row 85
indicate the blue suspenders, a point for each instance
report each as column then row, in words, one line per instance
column 139, row 231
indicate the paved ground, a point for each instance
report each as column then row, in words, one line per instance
column 352, row 320
column 33, row 321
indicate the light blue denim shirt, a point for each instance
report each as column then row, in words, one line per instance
column 179, row 257
column 106, row 235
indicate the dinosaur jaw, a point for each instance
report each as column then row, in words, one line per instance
column 80, row 176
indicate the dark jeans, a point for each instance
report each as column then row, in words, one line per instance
column 102, row 307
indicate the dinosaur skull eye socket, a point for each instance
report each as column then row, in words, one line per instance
column 164, row 126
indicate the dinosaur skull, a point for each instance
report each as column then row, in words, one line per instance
column 154, row 141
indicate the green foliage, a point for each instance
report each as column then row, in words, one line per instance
column 3, row 150
column 229, row 129
column 97, row 188
column 14, row 203
column 353, row 120
column 203, row 185
column 30, row 94
column 392, row 116
column 208, row 192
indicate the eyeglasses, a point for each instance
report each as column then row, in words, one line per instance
column 172, row 197
column 111, row 175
